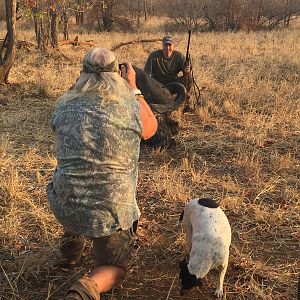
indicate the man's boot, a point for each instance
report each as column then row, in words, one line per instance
column 71, row 249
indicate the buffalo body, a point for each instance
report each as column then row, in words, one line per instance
column 163, row 99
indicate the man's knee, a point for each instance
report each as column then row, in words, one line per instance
column 114, row 250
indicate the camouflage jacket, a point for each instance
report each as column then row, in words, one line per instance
column 93, row 188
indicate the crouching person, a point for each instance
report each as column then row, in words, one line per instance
column 98, row 125
column 208, row 236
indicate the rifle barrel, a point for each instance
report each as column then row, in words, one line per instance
column 188, row 45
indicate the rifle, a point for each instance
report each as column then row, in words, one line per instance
column 188, row 61
column 187, row 56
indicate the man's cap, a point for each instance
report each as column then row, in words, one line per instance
column 167, row 40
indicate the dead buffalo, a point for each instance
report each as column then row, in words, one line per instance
column 163, row 99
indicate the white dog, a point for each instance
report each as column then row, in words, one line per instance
column 208, row 235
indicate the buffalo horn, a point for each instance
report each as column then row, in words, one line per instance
column 173, row 87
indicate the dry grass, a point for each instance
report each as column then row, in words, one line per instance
column 241, row 147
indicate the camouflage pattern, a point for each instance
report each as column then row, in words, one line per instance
column 84, row 289
column 93, row 188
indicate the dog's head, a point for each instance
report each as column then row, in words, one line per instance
column 188, row 281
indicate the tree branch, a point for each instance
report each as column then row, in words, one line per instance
column 134, row 42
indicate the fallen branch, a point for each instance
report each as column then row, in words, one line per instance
column 76, row 43
column 138, row 41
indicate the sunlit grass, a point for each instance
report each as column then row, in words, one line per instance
column 241, row 146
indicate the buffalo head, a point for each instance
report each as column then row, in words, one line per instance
column 163, row 99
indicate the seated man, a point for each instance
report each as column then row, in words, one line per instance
column 164, row 65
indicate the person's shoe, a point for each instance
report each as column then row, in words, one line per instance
column 71, row 250
column 83, row 289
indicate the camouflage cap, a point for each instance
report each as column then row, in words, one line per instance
column 167, row 40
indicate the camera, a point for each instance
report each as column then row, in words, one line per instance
column 123, row 70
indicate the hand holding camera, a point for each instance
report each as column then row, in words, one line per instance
column 127, row 72
column 123, row 70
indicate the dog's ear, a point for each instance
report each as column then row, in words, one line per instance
column 207, row 202
column 181, row 216
column 183, row 263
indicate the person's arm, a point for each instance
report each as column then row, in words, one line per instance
column 187, row 72
column 186, row 66
column 148, row 65
column 148, row 118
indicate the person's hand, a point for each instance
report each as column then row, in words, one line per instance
column 130, row 76
column 187, row 70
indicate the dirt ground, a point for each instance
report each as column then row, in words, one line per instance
column 256, row 256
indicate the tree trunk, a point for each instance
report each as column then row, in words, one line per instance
column 40, row 32
column 9, row 43
column 138, row 14
column 39, row 27
column 131, row 8
column 79, row 18
column 287, row 14
column 80, row 14
column 151, row 8
column 145, row 10
column 53, row 24
column 43, row 38
column 259, row 11
column 107, row 17
column 53, row 30
column 65, row 20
